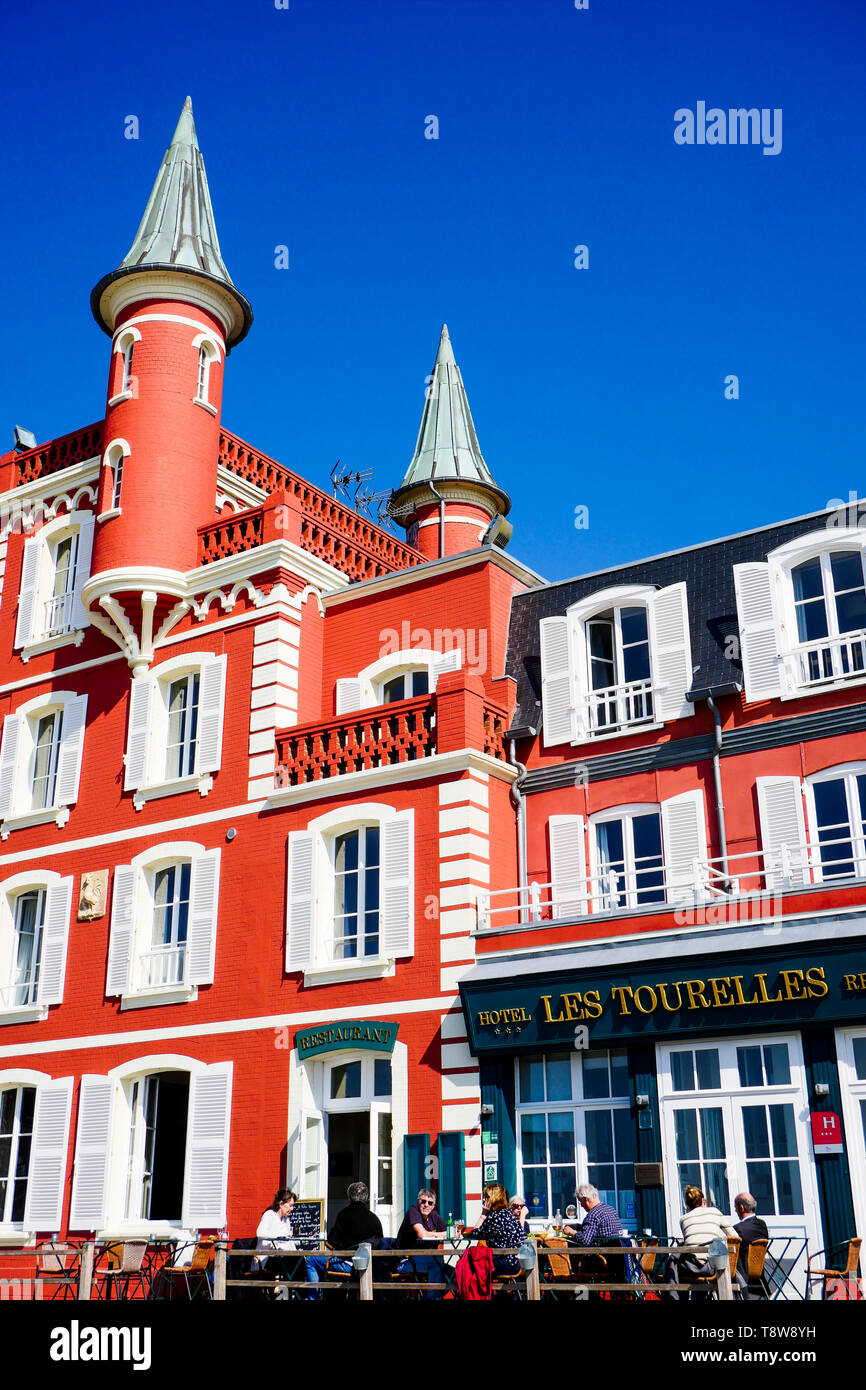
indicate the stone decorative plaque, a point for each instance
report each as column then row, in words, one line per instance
column 92, row 895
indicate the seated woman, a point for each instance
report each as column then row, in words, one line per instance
column 274, row 1232
column 700, row 1224
column 423, row 1226
column 521, row 1211
column 500, row 1227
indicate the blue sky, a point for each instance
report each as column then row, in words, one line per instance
column 602, row 387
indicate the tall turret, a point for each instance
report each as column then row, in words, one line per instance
column 173, row 314
column 448, row 497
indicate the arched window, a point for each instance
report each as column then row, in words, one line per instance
column 175, row 727
column 125, row 384
column 209, row 351
column 55, row 565
column 40, row 760
column 35, row 909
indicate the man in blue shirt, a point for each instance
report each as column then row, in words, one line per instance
column 602, row 1225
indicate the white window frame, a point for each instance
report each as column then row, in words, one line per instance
column 310, row 896
column 17, row 755
column 144, row 759
column 846, row 772
column 133, row 907
column 366, row 690
column 113, row 459
column 568, row 700
column 629, row 890
column 731, row 1097
column 102, row 1150
column 46, row 1176
column 124, row 346
column 771, row 649
column 577, row 1105
column 853, row 1091
column 54, row 941
column 209, row 351
column 38, row 570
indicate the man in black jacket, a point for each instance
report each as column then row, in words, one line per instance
column 354, row 1225
column 749, row 1227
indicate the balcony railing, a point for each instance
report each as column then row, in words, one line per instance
column 402, row 732
column 619, row 706
column 163, row 965
column 57, row 615
column 398, row 733
column 756, row 879
column 829, row 659
column 61, row 453
column 20, row 995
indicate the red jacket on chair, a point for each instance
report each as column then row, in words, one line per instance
column 474, row 1273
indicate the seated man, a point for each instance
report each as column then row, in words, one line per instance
column 423, row 1226
column 749, row 1227
column 354, row 1226
column 600, row 1227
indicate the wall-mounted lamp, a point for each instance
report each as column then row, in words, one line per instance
column 821, row 1088
column 486, row 1110
column 641, row 1101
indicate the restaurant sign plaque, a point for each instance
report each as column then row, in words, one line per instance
column 352, row 1035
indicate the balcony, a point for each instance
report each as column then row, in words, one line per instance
column 456, row 716
column 830, row 659
column 750, row 886
column 162, row 966
column 620, row 706
column 57, row 615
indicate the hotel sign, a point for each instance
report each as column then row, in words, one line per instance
column 707, row 994
column 355, row 1035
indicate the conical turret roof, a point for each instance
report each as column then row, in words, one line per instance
column 447, row 446
column 178, row 230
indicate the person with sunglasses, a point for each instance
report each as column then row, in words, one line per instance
column 423, row 1226
column 521, row 1211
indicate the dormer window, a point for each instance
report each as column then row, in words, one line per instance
column 802, row 615
column 405, row 686
column 616, row 660
column 619, row 668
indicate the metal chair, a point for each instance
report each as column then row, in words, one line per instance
column 59, row 1264
column 121, row 1269
column 852, row 1259
column 195, row 1275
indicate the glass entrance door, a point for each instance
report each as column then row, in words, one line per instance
column 735, row 1118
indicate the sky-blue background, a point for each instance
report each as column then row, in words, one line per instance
column 602, row 387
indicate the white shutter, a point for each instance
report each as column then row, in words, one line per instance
column 205, row 1175
column 671, row 652
column 397, row 886
column 684, row 840
column 556, row 681
column 212, row 691
column 80, row 615
column 445, row 661
column 12, row 727
column 203, row 899
column 759, row 631
column 52, row 970
column 568, row 865
column 29, row 591
column 92, row 1153
column 300, row 915
column 71, row 749
column 783, row 832
column 349, row 695
column 120, row 941
column 140, row 705
column 46, row 1176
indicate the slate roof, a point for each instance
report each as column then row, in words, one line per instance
column 708, row 572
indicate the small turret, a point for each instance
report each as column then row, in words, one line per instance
column 448, row 496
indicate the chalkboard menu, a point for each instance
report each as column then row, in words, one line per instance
column 307, row 1220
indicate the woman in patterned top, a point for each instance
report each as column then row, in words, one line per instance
column 500, row 1227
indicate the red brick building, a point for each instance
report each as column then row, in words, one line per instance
column 326, row 855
